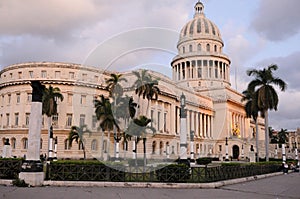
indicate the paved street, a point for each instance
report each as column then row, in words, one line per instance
column 281, row 186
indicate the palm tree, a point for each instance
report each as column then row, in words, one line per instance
column 282, row 136
column 50, row 97
column 115, row 91
column 76, row 133
column 267, row 98
column 252, row 110
column 105, row 115
column 139, row 129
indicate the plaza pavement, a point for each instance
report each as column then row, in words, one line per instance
column 276, row 185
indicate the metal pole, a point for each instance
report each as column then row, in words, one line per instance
column 226, row 149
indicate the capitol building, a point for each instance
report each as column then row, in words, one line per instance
column 200, row 71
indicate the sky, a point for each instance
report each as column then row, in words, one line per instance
column 256, row 33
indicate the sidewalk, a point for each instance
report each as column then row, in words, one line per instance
column 211, row 185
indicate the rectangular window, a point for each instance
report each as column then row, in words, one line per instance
column 71, row 75
column 199, row 72
column 204, row 62
column 158, row 121
column 216, row 72
column 31, row 74
column 16, row 119
column 69, row 120
column 18, row 98
column 82, row 120
column 165, row 122
column 57, row 74
column 7, row 119
column 84, row 77
column 82, row 99
column 55, row 120
column 9, row 98
column 44, row 74
column 94, row 121
column 20, row 75
column 29, row 97
column 27, row 115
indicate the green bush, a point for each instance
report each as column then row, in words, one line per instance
column 19, row 183
column 204, row 161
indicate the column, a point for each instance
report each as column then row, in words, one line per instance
column 208, row 126
column 201, row 124
column 197, row 132
column 204, row 125
column 212, row 126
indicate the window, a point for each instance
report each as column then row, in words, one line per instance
column 44, row 74
column 16, row 119
column 10, row 75
column 152, row 117
column 199, row 47
column 199, row 72
column 20, row 75
column 82, row 120
column 183, row 49
column 191, row 48
column 82, row 99
column 55, row 120
column 71, row 75
column 7, row 119
column 165, row 122
column 18, row 98
column 67, row 146
column 84, row 77
column 57, row 74
column 158, row 120
column 41, row 144
column 25, row 143
column 69, row 120
column 208, row 48
column 216, row 72
column 31, row 74
column 13, row 143
column 29, row 97
column 94, row 121
column 9, row 98
column 27, row 115
column 94, row 145
column 215, row 48
column 153, row 147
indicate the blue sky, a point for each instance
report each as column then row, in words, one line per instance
column 256, row 33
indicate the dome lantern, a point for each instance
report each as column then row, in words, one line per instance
column 199, row 9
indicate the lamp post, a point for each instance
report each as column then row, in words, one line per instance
column 183, row 133
column 55, row 149
column 283, row 153
column 192, row 144
column 296, row 153
column 226, row 149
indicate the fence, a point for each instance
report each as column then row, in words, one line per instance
column 10, row 168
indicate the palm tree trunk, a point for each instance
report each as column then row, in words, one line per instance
column 257, row 141
column 267, row 135
column 144, row 145
column 49, row 120
column 84, row 154
column 102, row 149
column 108, row 143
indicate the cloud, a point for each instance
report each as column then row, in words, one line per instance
column 277, row 20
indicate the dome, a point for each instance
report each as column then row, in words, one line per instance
column 199, row 27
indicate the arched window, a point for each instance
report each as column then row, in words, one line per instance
column 24, row 143
column 215, row 48
column 199, row 47
column 208, row 48
column 190, row 48
column 161, row 145
column 153, row 147
column 13, row 143
column 94, row 145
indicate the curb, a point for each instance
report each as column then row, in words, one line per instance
column 212, row 185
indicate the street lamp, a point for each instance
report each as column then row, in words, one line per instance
column 183, row 132
column 226, row 149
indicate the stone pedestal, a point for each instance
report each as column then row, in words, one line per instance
column 252, row 156
column 32, row 178
column 183, row 139
column 6, row 153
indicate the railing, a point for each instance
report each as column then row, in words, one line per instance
column 10, row 168
column 170, row 173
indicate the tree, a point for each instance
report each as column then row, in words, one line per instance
column 139, row 129
column 105, row 115
column 282, row 136
column 267, row 98
column 76, row 133
column 50, row 97
column 252, row 110
column 115, row 90
column 273, row 137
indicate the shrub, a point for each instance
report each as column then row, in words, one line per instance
column 204, row 161
column 139, row 161
column 19, row 183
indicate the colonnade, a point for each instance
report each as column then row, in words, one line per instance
column 201, row 69
column 238, row 121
